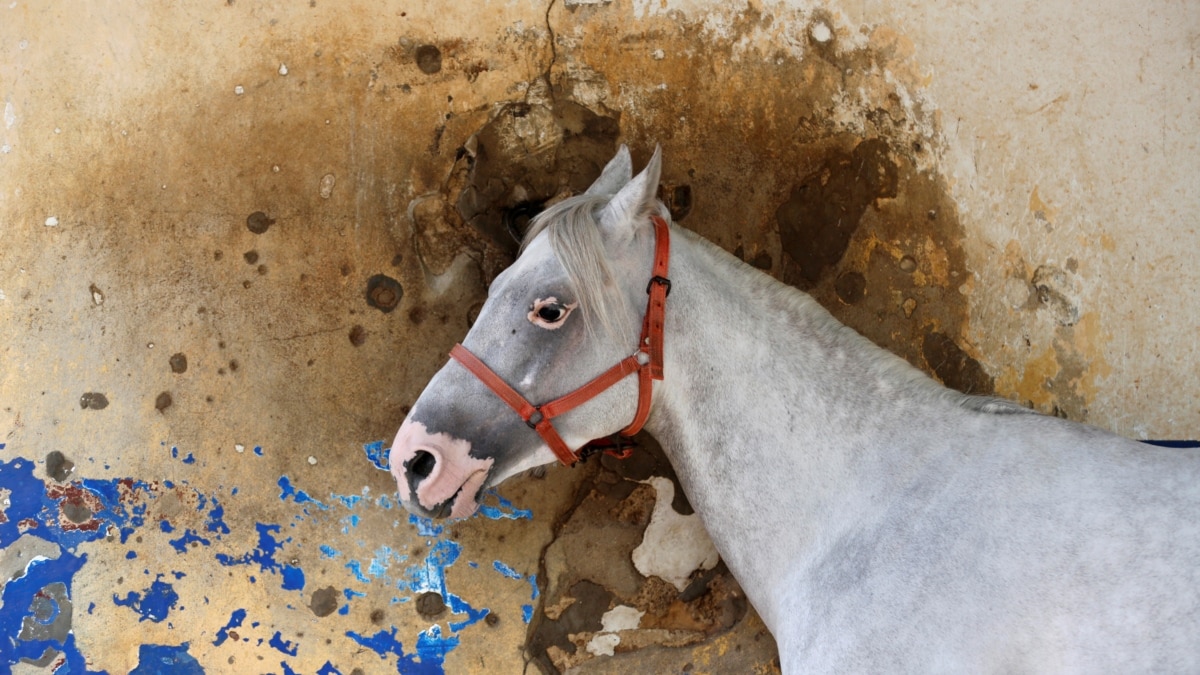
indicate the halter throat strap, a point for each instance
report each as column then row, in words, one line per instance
column 647, row 362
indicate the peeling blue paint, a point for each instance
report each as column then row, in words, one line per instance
column 166, row 660
column 349, row 501
column 504, row 509
column 527, row 613
column 355, row 568
column 154, row 603
column 428, row 657
column 377, row 454
column 181, row 544
column 286, row 646
column 293, row 578
column 216, row 518
column 258, row 450
column 264, row 557
column 431, row 576
column 121, row 506
column 235, row 621
column 506, row 570
column 425, row 526
column 299, row 496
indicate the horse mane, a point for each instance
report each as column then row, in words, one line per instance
column 578, row 244
column 790, row 305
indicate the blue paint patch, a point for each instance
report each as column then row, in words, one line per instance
column 431, row 576
column 348, row 501
column 377, row 454
column 166, row 660
column 328, row 669
column 504, row 509
column 425, row 526
column 299, row 496
column 287, row 670
column 344, row 610
column 329, row 551
column 154, row 603
column 428, row 658
column 285, row 646
column 351, row 594
column 264, row 555
column 235, row 620
column 189, row 459
column 533, row 585
column 527, row 613
column 258, row 450
column 19, row 595
column 506, row 570
column 166, row 526
column 355, row 567
column 34, row 505
column 181, row 544
column 130, row 555
column 216, row 518
column 293, row 578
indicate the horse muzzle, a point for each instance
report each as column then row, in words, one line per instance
column 436, row 475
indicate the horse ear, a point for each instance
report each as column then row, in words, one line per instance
column 635, row 201
column 615, row 174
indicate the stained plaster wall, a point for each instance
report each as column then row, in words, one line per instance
column 237, row 238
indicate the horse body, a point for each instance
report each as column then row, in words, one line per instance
column 877, row 520
column 880, row 522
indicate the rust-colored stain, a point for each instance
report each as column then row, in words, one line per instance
column 1040, row 209
column 1066, row 376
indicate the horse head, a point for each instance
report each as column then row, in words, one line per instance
column 554, row 322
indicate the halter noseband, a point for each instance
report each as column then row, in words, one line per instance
column 647, row 362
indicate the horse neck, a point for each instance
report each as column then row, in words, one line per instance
column 770, row 413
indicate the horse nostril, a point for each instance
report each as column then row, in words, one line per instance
column 422, row 463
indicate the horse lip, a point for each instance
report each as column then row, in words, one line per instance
column 476, row 483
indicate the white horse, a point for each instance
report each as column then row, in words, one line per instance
column 878, row 521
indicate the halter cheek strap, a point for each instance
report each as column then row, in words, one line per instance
column 647, row 362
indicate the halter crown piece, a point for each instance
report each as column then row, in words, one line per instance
column 647, row 362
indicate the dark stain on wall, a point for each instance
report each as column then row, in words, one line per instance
column 826, row 206
column 524, row 156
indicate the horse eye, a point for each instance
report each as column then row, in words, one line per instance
column 551, row 313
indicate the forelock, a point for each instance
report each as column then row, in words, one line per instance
column 578, row 244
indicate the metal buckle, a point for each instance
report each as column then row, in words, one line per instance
column 662, row 281
column 532, row 422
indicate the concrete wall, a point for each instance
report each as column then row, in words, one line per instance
column 237, row 238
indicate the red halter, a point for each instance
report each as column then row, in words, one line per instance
column 647, row 362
